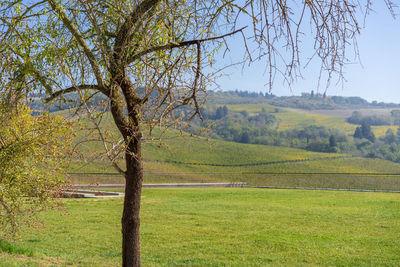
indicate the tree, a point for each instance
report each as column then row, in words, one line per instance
column 245, row 137
column 366, row 131
column 149, row 58
column 32, row 163
column 225, row 110
column 358, row 133
column 389, row 137
column 356, row 118
column 221, row 112
column 332, row 141
column 395, row 116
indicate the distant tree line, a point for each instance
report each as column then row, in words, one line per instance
column 251, row 94
column 310, row 101
column 307, row 101
column 386, row 147
column 376, row 120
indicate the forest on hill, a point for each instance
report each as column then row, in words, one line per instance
column 308, row 101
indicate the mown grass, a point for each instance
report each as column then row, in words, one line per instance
column 226, row 227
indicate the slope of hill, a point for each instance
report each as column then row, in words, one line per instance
column 371, row 131
column 182, row 158
column 290, row 118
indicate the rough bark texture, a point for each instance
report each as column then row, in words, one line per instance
column 131, row 216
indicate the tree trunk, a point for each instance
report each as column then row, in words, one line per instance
column 131, row 216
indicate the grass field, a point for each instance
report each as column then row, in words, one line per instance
column 222, row 227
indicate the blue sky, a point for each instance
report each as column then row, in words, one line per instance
column 376, row 77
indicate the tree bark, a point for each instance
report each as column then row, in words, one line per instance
column 131, row 216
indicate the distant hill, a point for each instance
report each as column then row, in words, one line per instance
column 314, row 122
column 308, row 101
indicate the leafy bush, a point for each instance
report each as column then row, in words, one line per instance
column 32, row 160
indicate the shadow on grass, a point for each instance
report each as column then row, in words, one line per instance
column 11, row 248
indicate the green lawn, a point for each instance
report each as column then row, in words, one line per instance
column 216, row 227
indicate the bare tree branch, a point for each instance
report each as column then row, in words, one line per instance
column 123, row 33
column 76, row 89
column 109, row 152
column 78, row 37
column 180, row 44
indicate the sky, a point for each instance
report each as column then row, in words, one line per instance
column 376, row 76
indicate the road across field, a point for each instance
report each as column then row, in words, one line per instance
column 169, row 185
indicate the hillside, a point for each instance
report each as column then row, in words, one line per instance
column 185, row 158
column 349, row 125
column 272, row 145
column 291, row 118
